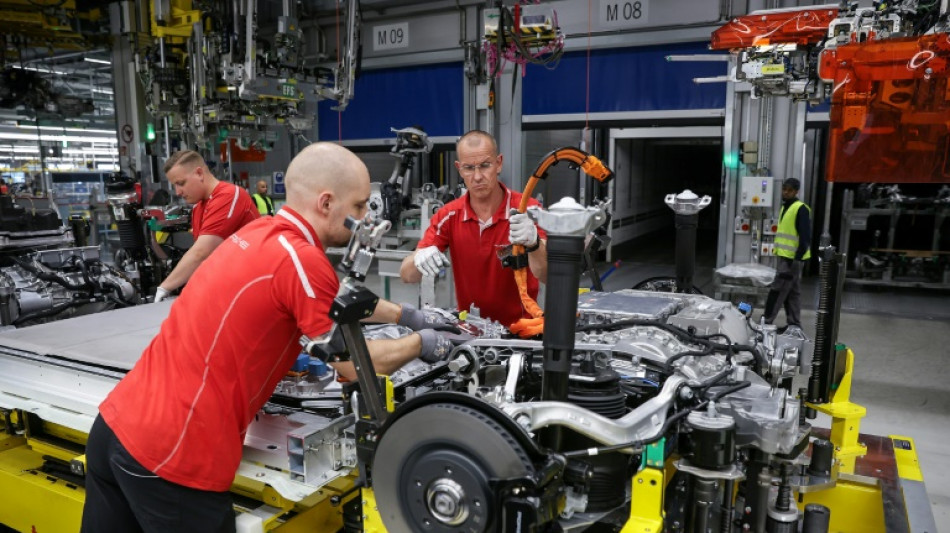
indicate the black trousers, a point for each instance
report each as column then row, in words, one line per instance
column 786, row 290
column 122, row 496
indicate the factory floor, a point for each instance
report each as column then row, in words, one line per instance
column 901, row 340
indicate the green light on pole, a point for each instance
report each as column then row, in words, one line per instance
column 150, row 132
column 731, row 159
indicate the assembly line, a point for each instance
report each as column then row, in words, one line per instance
column 273, row 311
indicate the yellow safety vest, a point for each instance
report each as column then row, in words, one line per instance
column 264, row 204
column 786, row 239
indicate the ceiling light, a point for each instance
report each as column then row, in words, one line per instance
column 95, row 60
column 90, row 152
column 44, row 70
column 57, row 128
column 54, row 138
column 24, row 149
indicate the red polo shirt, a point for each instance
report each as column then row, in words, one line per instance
column 228, row 208
column 182, row 411
column 479, row 276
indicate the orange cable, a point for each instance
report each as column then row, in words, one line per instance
column 529, row 327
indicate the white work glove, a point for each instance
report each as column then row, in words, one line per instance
column 522, row 230
column 430, row 261
column 161, row 294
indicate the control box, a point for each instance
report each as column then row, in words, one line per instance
column 757, row 191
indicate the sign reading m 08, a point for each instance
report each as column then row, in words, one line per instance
column 391, row 36
column 621, row 14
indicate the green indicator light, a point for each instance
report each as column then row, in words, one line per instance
column 731, row 159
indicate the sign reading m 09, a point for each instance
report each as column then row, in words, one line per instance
column 391, row 36
column 621, row 14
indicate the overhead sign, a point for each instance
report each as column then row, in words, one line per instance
column 623, row 14
column 390, row 36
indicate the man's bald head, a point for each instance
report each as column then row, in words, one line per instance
column 475, row 139
column 322, row 167
column 327, row 183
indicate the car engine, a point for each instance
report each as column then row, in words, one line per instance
column 683, row 373
column 46, row 272
column 512, row 434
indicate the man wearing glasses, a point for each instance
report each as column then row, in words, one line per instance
column 473, row 228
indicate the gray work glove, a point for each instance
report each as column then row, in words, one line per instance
column 161, row 294
column 430, row 261
column 521, row 230
column 435, row 346
column 416, row 320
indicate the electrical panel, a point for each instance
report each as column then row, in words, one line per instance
column 757, row 191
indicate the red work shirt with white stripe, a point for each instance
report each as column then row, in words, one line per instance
column 229, row 208
column 184, row 408
column 473, row 245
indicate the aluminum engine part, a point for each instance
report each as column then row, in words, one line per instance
column 607, row 307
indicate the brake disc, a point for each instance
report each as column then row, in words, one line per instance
column 432, row 469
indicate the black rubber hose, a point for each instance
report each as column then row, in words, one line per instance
column 688, row 353
column 85, row 271
column 49, row 276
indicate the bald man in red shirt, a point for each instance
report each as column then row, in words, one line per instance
column 472, row 228
column 164, row 451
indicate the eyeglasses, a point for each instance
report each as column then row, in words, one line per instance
column 469, row 170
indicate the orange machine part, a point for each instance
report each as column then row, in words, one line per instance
column 801, row 27
column 890, row 111
column 239, row 155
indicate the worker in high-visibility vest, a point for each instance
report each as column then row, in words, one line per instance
column 264, row 203
column 792, row 248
